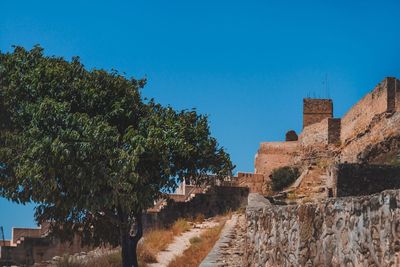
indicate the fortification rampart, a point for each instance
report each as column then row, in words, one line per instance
column 397, row 95
column 361, row 115
column 274, row 154
column 254, row 181
column 315, row 134
column 351, row 231
column 383, row 128
column 322, row 133
column 371, row 125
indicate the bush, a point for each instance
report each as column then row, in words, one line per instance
column 283, row 177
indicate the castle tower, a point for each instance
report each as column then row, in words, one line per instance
column 315, row 110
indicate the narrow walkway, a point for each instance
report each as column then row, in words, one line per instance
column 230, row 248
column 180, row 244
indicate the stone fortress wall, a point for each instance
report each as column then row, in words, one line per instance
column 371, row 121
column 374, row 119
column 350, row 231
column 272, row 155
column 357, row 222
column 361, row 114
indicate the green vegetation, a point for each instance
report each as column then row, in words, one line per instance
column 283, row 177
column 91, row 151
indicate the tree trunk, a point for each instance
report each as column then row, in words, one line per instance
column 129, row 243
column 135, row 239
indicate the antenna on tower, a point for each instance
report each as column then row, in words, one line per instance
column 327, row 85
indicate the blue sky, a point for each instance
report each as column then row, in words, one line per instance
column 247, row 64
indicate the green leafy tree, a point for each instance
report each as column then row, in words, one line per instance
column 90, row 151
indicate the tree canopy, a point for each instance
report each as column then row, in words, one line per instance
column 90, row 150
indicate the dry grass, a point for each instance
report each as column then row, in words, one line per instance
column 199, row 248
column 180, row 226
column 154, row 241
column 158, row 240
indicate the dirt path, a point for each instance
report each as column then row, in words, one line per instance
column 180, row 244
column 229, row 249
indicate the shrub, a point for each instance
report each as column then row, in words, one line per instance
column 283, row 177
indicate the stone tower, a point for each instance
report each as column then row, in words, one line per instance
column 315, row 110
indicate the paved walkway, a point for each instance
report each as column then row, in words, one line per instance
column 229, row 249
column 180, row 244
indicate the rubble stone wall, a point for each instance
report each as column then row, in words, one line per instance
column 350, row 231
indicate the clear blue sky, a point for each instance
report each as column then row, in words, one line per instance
column 247, row 64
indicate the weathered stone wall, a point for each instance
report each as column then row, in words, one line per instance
column 253, row 181
column 360, row 116
column 215, row 201
column 385, row 127
column 314, row 134
column 323, row 133
column 315, row 110
column 17, row 233
column 397, row 102
column 351, row 231
column 334, row 130
column 272, row 155
column 361, row 179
